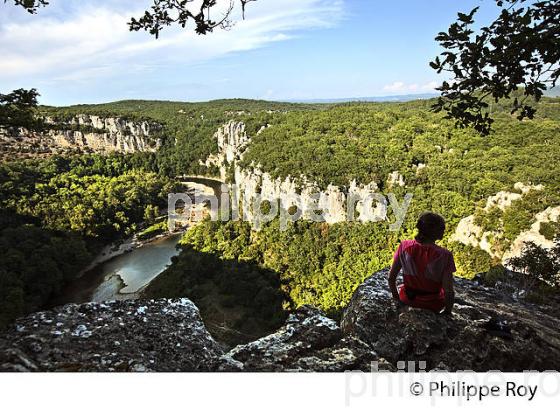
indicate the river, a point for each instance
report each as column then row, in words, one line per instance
column 125, row 275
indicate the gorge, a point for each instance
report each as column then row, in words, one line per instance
column 247, row 295
column 334, row 201
column 122, row 270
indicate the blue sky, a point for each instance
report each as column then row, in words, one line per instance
column 79, row 51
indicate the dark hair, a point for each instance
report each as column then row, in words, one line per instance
column 431, row 227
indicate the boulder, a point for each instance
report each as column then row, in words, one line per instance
column 309, row 341
column 487, row 331
column 142, row 335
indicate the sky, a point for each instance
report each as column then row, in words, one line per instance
column 80, row 51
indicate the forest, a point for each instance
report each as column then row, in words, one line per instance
column 449, row 170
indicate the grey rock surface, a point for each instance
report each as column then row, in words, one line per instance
column 308, row 341
column 141, row 335
column 487, row 331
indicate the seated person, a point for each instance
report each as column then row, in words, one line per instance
column 427, row 268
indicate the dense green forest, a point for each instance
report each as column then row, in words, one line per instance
column 56, row 213
column 368, row 141
column 317, row 264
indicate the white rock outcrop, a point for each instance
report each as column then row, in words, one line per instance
column 533, row 234
column 394, row 179
column 99, row 134
column 504, row 199
column 469, row 233
column 333, row 204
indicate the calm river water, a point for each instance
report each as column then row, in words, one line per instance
column 123, row 276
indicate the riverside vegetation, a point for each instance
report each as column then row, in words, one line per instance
column 56, row 214
column 252, row 277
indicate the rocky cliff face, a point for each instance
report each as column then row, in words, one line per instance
column 469, row 233
column 488, row 331
column 108, row 134
column 334, row 201
column 86, row 133
column 308, row 341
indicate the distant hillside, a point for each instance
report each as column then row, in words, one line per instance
column 385, row 98
column 187, row 127
column 553, row 92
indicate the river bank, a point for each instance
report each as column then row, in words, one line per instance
column 121, row 247
column 122, row 273
column 197, row 185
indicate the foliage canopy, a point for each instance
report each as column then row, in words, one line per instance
column 517, row 56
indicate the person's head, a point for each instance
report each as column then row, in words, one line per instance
column 431, row 227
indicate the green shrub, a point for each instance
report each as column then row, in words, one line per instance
column 540, row 267
column 550, row 230
column 495, row 274
column 470, row 261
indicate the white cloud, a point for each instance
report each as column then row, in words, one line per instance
column 431, row 86
column 93, row 41
column 402, row 87
column 397, row 86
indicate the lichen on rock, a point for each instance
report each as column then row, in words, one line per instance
column 487, row 331
column 464, row 341
column 309, row 341
column 159, row 335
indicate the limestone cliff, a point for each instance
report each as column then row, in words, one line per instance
column 491, row 241
column 108, row 134
column 84, row 133
column 333, row 202
column 488, row 330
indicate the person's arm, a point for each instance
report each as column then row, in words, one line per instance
column 447, row 285
column 393, row 272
